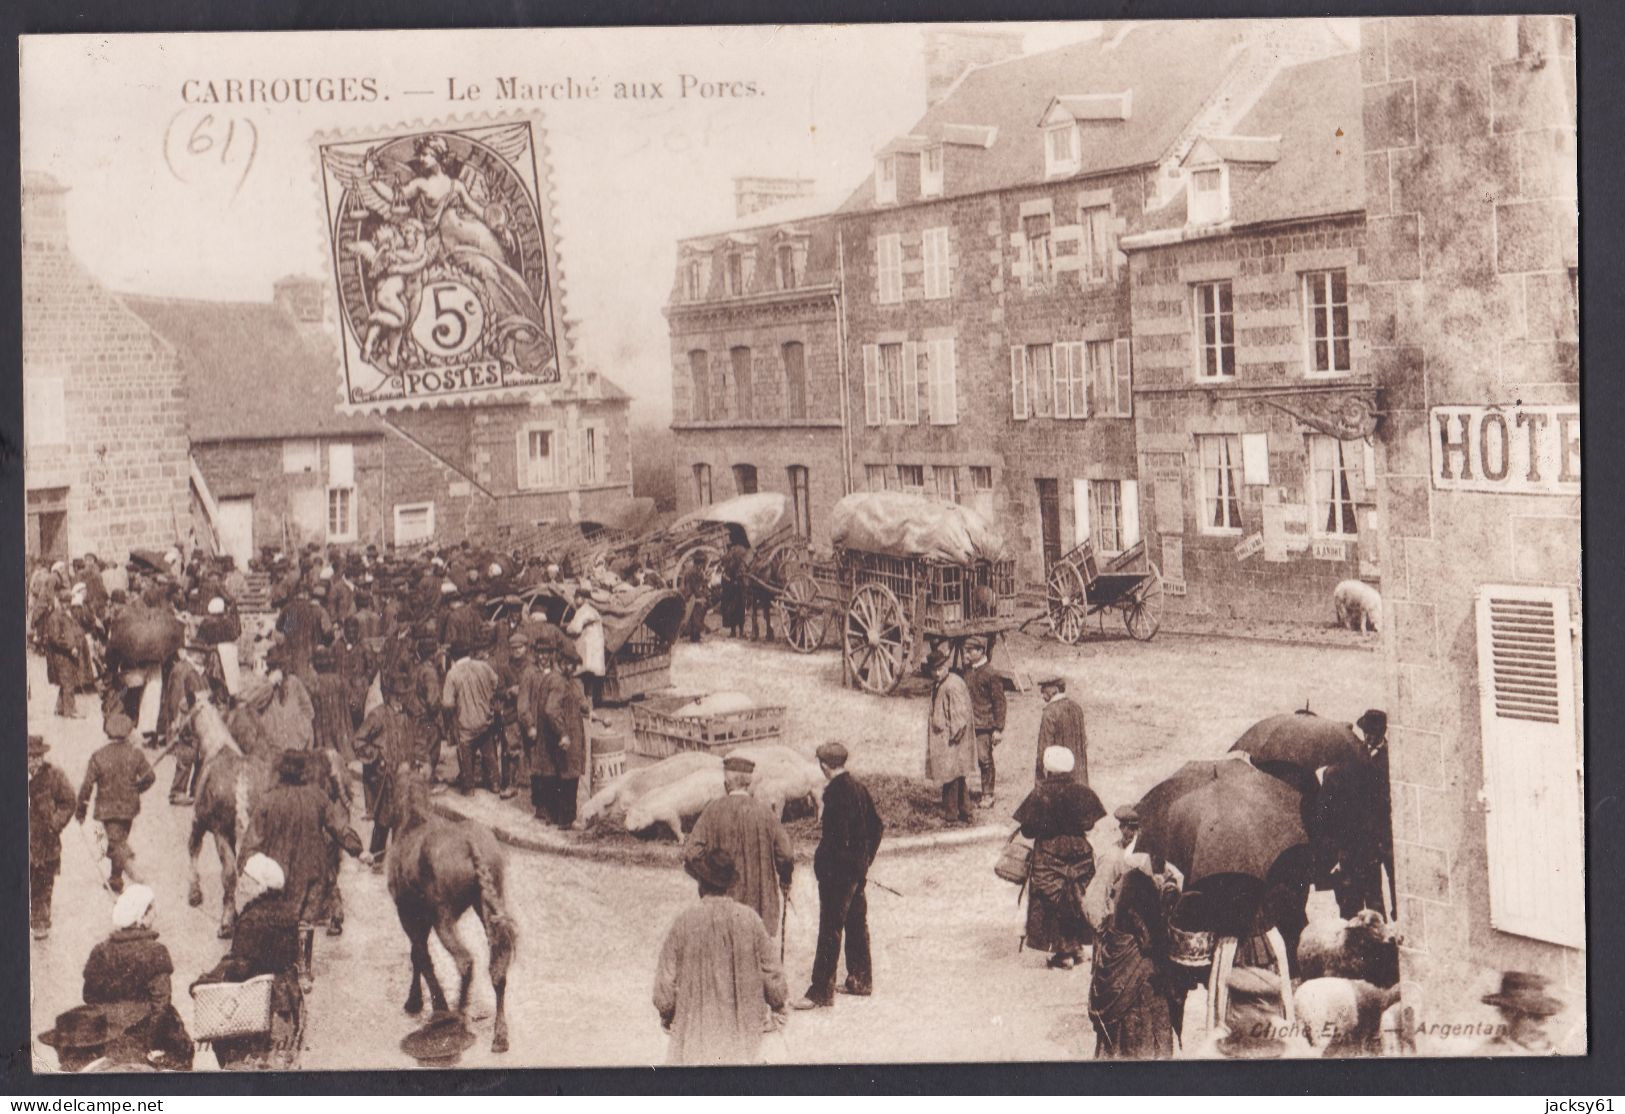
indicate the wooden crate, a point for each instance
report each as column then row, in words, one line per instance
column 657, row 733
column 630, row 678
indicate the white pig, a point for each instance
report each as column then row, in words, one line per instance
column 625, row 791
column 673, row 804
column 1358, row 604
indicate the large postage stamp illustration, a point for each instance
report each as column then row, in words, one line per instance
column 441, row 265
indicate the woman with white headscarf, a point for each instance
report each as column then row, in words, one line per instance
column 1057, row 816
column 127, row 975
column 265, row 942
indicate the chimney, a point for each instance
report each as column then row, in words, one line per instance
column 300, row 297
column 45, row 213
column 949, row 53
column 752, row 194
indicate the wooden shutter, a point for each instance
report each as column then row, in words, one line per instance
column 1018, row 381
column 1531, row 763
column 340, row 464
column 1124, row 356
column 871, row 385
column 1129, row 498
column 1080, row 511
column 911, row 382
column 1255, row 458
column 1061, row 374
column 944, row 379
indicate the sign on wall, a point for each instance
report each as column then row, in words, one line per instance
column 1173, row 565
column 1251, row 544
column 1511, row 450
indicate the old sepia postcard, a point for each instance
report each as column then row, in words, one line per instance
column 734, row 545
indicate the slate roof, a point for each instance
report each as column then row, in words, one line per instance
column 1315, row 108
column 1169, row 70
column 251, row 371
column 1239, row 148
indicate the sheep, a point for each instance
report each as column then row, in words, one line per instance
column 1364, row 947
column 625, row 791
column 1343, row 1017
column 1358, row 605
column 676, row 802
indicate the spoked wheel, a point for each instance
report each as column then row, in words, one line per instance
column 1143, row 614
column 801, row 615
column 876, row 644
column 1068, row 602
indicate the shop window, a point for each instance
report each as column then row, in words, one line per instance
column 1219, row 457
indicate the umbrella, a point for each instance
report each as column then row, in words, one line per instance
column 1153, row 807
column 1300, row 739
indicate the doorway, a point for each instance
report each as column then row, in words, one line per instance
column 1049, row 519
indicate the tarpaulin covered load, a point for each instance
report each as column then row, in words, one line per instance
column 758, row 515
column 623, row 611
column 904, row 525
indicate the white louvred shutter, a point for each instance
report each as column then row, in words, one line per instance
column 1124, row 356
column 945, row 401
column 1018, row 381
column 1532, row 787
column 1130, row 500
column 1061, row 366
column 911, row 382
column 871, row 385
column 1080, row 511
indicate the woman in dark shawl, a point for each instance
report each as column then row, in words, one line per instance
column 1057, row 816
column 1132, row 987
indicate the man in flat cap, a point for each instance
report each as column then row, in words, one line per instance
column 986, row 688
column 118, row 774
column 852, row 831
column 50, row 807
column 950, row 748
column 749, row 831
column 717, row 978
column 1061, row 725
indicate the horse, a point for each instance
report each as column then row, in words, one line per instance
column 227, row 788
column 437, row 870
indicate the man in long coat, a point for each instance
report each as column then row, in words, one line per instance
column 294, row 824
column 64, row 641
column 986, row 689
column 303, row 625
column 117, row 775
column 1061, row 725
column 561, row 740
column 181, row 688
column 330, row 704
column 386, row 743
column 50, row 806
column 288, row 716
column 950, row 751
column 717, row 978
column 747, row 829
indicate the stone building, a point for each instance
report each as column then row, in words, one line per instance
column 1472, row 281
column 280, row 466
column 1253, row 392
column 756, row 361
column 104, row 419
column 987, row 306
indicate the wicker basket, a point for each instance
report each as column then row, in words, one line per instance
column 232, row 1009
column 656, row 733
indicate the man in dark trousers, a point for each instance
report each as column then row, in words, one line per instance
column 50, row 807
column 118, row 774
column 852, row 830
column 64, row 641
column 987, row 707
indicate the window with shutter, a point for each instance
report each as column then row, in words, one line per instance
column 1041, row 379
column 1123, row 354
column 1018, row 382
column 1062, row 365
column 889, row 268
column 1532, row 787
column 744, row 382
column 872, row 414
column 1130, row 492
column 891, row 383
column 795, row 380
column 1102, row 380
column 699, row 370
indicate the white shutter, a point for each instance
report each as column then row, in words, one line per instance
column 1079, row 387
column 340, row 464
column 1531, row 763
column 1255, row 458
column 1124, row 357
column 1129, row 498
column 911, row 382
column 1061, row 367
column 1080, row 511
column 945, row 380
column 1018, row 382
column 871, row 386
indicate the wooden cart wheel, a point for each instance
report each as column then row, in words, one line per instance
column 876, row 645
column 801, row 614
column 1067, row 599
column 1142, row 615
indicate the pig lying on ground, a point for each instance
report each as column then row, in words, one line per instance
column 680, row 801
column 1358, row 604
column 782, row 775
column 625, row 791
column 1364, row 947
column 1343, row 1017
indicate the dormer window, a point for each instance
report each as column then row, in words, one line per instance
column 693, row 281
column 785, row 260
column 886, row 180
column 1209, row 195
column 1061, row 149
column 931, row 172
column 736, row 274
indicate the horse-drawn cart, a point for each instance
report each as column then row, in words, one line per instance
column 1080, row 585
column 759, row 522
column 640, row 626
column 915, row 572
column 578, row 546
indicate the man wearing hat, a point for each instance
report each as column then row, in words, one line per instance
column 717, row 979
column 558, row 710
column 64, row 642
column 50, row 807
column 386, row 744
column 330, row 707
column 696, row 589
column 80, row 1038
column 950, row 748
column 128, row 976
column 1526, row 1010
column 118, row 774
column 1061, row 725
column 1113, row 863
column 467, row 699
column 181, row 690
column 303, row 624
column 459, row 623
column 850, row 837
column 749, row 831
column 421, row 701
column 987, row 704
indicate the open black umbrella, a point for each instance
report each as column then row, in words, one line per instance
column 1300, row 739
column 1153, row 807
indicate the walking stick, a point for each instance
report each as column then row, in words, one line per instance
column 784, row 922
column 882, row 885
column 95, row 857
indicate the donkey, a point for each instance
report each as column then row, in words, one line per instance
column 437, row 870
column 230, row 784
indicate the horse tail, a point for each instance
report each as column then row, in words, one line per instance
column 499, row 927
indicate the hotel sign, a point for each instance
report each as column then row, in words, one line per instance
column 1509, row 450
